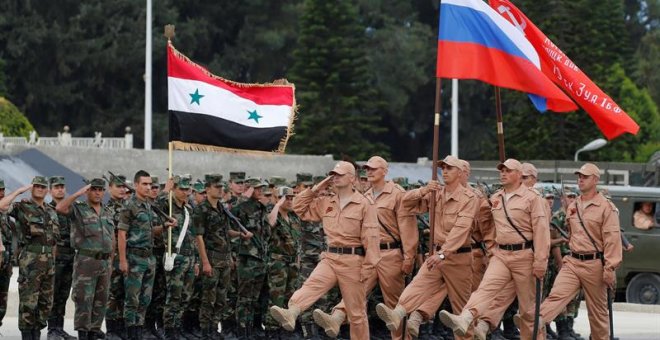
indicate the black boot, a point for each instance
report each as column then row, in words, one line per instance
column 96, row 334
column 562, row 330
column 36, row 334
column 83, row 335
column 510, row 331
column 229, row 329
column 569, row 323
column 549, row 333
column 134, row 332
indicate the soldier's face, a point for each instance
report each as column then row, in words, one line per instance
column 647, row 207
column 95, row 195
column 200, row 196
column 214, row 191
column 237, row 187
column 375, row 174
column 58, row 191
column 529, row 180
column 39, row 191
column 509, row 177
column 181, row 194
column 117, row 192
column 258, row 193
column 143, row 186
column 450, row 174
column 288, row 202
column 342, row 181
column 153, row 193
column 587, row 183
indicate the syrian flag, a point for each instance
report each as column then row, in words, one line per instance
column 209, row 113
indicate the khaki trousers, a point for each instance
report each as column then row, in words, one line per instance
column 342, row 270
column 391, row 280
column 507, row 268
column 573, row 275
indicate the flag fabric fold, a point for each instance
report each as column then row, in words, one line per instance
column 209, row 113
column 608, row 116
column 474, row 42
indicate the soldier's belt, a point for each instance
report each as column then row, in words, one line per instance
column 391, row 245
column 141, row 252
column 517, row 246
column 35, row 248
column 185, row 252
column 65, row 250
column 283, row 257
column 460, row 250
column 478, row 245
column 97, row 255
column 587, row 257
column 347, row 250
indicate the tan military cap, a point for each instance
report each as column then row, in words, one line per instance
column 510, row 164
column 589, row 169
column 528, row 169
column 451, row 161
column 465, row 165
column 376, row 162
column 343, row 168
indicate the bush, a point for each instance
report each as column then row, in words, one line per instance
column 12, row 122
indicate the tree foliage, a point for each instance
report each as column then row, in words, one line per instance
column 13, row 121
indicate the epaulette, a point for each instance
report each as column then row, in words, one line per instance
column 399, row 187
column 469, row 193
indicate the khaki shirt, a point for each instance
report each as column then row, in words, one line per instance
column 601, row 219
column 642, row 221
column 527, row 210
column 454, row 215
column 483, row 229
column 354, row 226
column 398, row 221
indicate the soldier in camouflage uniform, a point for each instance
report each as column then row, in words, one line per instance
column 190, row 320
column 212, row 231
column 179, row 280
column 92, row 236
column 114, row 316
column 154, row 318
column 63, row 265
column 6, row 231
column 252, row 259
column 136, row 260
column 37, row 231
column 284, row 262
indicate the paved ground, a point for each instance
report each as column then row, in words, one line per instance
column 631, row 322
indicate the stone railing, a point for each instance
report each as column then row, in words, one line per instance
column 64, row 138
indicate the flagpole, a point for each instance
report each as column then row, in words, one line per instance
column 434, row 175
column 454, row 117
column 500, row 125
column 147, row 81
column 169, row 33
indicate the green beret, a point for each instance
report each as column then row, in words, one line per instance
column 97, row 183
column 238, row 176
column 56, row 180
column 40, row 180
column 211, row 179
column 304, row 178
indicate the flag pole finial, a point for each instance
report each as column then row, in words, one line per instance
column 169, row 32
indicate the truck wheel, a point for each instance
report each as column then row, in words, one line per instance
column 644, row 288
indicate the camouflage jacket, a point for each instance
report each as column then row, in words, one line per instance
column 91, row 231
column 253, row 216
column 234, row 201
column 137, row 219
column 34, row 224
column 559, row 219
column 285, row 236
column 212, row 223
column 7, row 230
column 65, row 228
column 115, row 207
column 312, row 239
column 179, row 215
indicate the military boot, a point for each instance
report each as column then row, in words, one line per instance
column 481, row 330
column 83, row 335
column 286, row 317
column 563, row 332
column 577, row 336
column 458, row 323
column 415, row 320
column 391, row 317
column 510, row 330
column 330, row 323
column 96, row 334
column 36, row 334
column 26, row 335
column 549, row 333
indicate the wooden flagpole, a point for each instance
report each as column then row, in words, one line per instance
column 500, row 124
column 169, row 33
column 434, row 167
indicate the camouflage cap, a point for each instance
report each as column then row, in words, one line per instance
column 267, row 191
column 285, row 191
column 277, row 181
column 570, row 191
column 304, row 178
column 154, row 181
column 40, row 180
column 2, row 183
column 238, row 176
column 182, row 182
column 211, row 179
column 548, row 192
column 198, row 186
column 118, row 180
column 363, row 173
column 402, row 181
column 318, row 179
column 56, row 180
column 256, row 182
column 97, row 183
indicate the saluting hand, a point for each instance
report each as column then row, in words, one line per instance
column 248, row 192
column 322, row 185
column 24, row 188
column 83, row 190
column 281, row 201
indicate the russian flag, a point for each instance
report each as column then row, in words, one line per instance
column 474, row 42
column 208, row 112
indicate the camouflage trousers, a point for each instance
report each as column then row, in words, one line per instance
column 229, row 312
column 63, row 280
column 179, row 282
column 325, row 303
column 214, row 288
column 156, row 307
column 116, row 297
column 138, row 286
column 36, row 275
column 282, row 281
column 5, row 278
column 251, row 280
column 91, row 283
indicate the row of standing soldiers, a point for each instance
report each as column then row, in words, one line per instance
column 242, row 247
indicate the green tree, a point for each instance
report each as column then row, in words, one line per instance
column 333, row 84
column 13, row 121
column 648, row 64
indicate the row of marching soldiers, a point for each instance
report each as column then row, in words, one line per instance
column 237, row 250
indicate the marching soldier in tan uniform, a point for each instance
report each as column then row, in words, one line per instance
column 451, row 262
column 398, row 245
column 523, row 240
column 350, row 223
column 596, row 252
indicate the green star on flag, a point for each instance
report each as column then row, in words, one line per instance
column 195, row 97
column 254, row 115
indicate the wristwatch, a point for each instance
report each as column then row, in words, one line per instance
column 441, row 256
